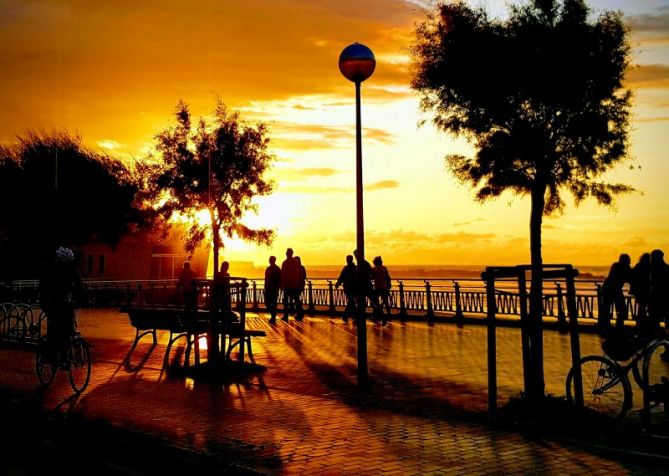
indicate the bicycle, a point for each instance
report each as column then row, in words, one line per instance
column 606, row 383
column 76, row 360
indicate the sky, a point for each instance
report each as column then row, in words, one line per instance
column 113, row 72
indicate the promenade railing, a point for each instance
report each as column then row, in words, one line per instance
column 434, row 298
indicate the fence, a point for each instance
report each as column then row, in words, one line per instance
column 431, row 298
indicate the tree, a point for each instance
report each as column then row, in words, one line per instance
column 540, row 97
column 56, row 192
column 218, row 168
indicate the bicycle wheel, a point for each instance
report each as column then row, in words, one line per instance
column 79, row 368
column 45, row 365
column 654, row 371
column 17, row 326
column 606, row 388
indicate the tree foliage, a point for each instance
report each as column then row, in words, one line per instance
column 540, row 97
column 218, row 167
column 54, row 191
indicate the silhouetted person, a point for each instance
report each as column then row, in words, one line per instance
column 348, row 279
column 382, row 285
column 272, row 286
column 59, row 287
column 186, row 286
column 222, row 291
column 291, row 281
column 364, row 282
column 612, row 292
column 658, row 299
column 640, row 289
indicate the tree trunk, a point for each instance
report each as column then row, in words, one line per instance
column 213, row 336
column 536, row 391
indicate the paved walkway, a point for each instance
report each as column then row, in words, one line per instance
column 424, row 412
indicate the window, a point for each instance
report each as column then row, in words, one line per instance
column 101, row 264
column 89, row 265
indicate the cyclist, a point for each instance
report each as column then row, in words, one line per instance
column 60, row 284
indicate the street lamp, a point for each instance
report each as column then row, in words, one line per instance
column 357, row 63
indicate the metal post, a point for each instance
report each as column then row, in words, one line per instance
column 459, row 316
column 403, row 309
column 562, row 320
column 360, row 235
column 428, row 300
column 310, row 298
column 331, row 296
column 492, row 341
column 574, row 337
column 525, row 330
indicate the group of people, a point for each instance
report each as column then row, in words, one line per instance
column 292, row 278
column 648, row 282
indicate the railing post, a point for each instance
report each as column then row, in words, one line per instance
column 600, row 305
column 562, row 320
column 428, row 298
column 128, row 301
column 331, row 303
column 491, row 310
column 310, row 297
column 403, row 308
column 459, row 316
column 574, row 337
column 140, row 295
column 255, row 297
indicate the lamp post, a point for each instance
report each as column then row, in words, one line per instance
column 357, row 63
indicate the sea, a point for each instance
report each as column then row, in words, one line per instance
column 421, row 271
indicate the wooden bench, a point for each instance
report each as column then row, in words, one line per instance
column 177, row 321
column 182, row 324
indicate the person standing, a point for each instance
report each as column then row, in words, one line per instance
column 640, row 289
column 186, row 285
column 612, row 292
column 658, row 299
column 365, row 287
column 272, row 285
column 347, row 278
column 382, row 285
column 291, row 279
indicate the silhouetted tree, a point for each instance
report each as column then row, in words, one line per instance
column 540, row 96
column 217, row 167
column 55, row 191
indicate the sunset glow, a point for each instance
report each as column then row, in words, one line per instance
column 113, row 72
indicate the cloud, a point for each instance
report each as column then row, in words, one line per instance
column 290, row 174
column 652, row 119
column 382, row 185
column 650, row 26
column 109, row 144
column 636, row 242
column 648, row 76
column 315, row 136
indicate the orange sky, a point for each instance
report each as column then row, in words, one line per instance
column 113, row 72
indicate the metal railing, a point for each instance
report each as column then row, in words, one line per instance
column 439, row 297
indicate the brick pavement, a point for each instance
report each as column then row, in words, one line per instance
column 424, row 412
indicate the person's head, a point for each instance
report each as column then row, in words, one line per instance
column 225, row 266
column 656, row 256
column 644, row 258
column 186, row 265
column 356, row 254
column 272, row 259
column 377, row 261
column 298, row 259
column 349, row 259
column 625, row 259
column 289, row 253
